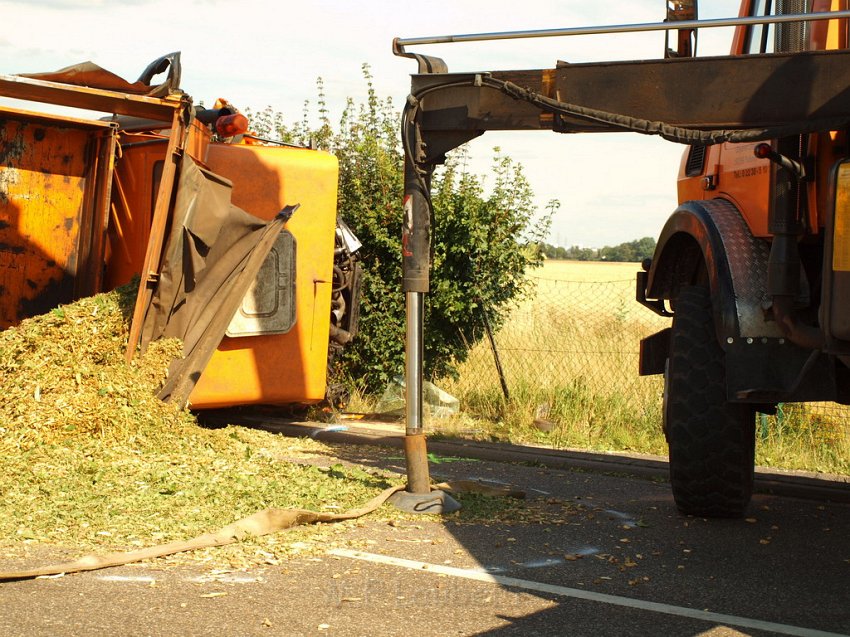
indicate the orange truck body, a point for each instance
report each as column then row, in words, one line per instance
column 77, row 205
column 52, row 200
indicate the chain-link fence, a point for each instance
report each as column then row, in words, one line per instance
column 564, row 368
column 566, row 332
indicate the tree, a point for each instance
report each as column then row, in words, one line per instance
column 553, row 252
column 622, row 252
column 479, row 257
column 479, row 240
column 644, row 248
column 636, row 250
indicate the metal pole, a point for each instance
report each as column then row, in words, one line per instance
column 416, row 256
column 416, row 455
column 623, row 28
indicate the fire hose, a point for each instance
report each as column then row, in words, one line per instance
column 263, row 522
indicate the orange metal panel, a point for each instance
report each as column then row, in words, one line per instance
column 691, row 188
column 745, row 179
column 50, row 211
column 135, row 186
column 290, row 367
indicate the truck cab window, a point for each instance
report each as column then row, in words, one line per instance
column 760, row 39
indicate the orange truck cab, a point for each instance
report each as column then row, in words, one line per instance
column 753, row 267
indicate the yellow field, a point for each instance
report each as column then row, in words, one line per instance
column 594, row 271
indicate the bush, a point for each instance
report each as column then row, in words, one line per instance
column 480, row 240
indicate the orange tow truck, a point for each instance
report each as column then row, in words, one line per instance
column 754, row 264
column 753, row 268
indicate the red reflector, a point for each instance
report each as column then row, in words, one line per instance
column 230, row 125
column 762, row 151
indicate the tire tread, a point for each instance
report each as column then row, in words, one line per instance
column 711, row 440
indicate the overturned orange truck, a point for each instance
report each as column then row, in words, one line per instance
column 235, row 240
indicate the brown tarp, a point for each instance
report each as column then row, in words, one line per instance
column 211, row 257
column 93, row 76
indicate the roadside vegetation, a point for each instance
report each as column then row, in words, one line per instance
column 485, row 237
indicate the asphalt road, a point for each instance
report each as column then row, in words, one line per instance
column 622, row 562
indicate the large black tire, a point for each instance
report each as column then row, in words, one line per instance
column 711, row 441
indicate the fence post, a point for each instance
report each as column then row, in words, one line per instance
column 496, row 358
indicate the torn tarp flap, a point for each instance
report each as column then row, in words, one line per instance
column 212, row 256
column 93, row 76
column 201, row 208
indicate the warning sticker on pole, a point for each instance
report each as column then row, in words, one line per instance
column 407, row 227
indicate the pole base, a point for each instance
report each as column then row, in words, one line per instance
column 434, row 502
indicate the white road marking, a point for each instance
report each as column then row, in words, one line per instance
column 625, row 518
column 224, row 579
column 542, row 563
column 563, row 591
column 127, row 578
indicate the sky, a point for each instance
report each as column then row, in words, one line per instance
column 256, row 53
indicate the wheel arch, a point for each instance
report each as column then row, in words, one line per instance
column 708, row 243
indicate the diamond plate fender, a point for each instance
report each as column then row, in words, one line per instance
column 714, row 233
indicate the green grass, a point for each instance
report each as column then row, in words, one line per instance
column 561, row 417
column 808, row 436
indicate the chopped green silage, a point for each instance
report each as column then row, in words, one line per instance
column 92, row 458
column 63, row 375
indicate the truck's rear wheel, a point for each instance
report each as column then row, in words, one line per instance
column 711, row 441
